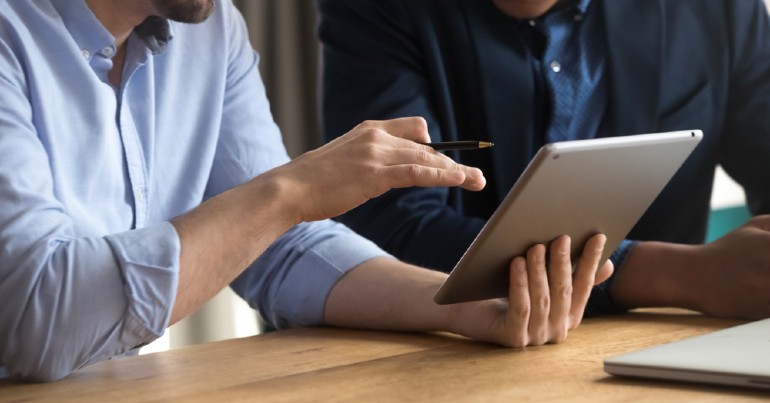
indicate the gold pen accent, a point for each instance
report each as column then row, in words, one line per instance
column 459, row 145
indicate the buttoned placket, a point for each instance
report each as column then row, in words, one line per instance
column 558, row 31
column 135, row 159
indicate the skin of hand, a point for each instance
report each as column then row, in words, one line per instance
column 225, row 234
column 374, row 157
column 729, row 277
column 543, row 303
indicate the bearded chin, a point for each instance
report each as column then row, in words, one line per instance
column 187, row 11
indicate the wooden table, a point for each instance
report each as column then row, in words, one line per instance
column 346, row 365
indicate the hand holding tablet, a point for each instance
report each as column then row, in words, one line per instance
column 577, row 188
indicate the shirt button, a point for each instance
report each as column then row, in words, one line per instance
column 532, row 23
column 555, row 66
column 107, row 51
column 578, row 17
column 86, row 54
column 139, row 194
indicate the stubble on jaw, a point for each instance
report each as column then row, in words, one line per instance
column 186, row 11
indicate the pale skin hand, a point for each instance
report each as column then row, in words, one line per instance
column 729, row 277
column 224, row 235
column 371, row 159
column 542, row 307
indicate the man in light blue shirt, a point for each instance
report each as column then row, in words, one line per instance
column 141, row 172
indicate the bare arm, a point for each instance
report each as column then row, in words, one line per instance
column 543, row 305
column 224, row 235
column 729, row 277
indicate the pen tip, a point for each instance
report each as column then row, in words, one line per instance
column 485, row 144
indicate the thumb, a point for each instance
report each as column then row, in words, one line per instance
column 411, row 128
column 604, row 272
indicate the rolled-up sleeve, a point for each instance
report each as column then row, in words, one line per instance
column 68, row 300
column 290, row 282
column 73, row 301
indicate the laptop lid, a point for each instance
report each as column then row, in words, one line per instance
column 738, row 356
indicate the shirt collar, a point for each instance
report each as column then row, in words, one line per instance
column 89, row 34
column 579, row 5
column 582, row 5
column 92, row 37
column 156, row 32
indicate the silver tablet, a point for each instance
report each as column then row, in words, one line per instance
column 579, row 188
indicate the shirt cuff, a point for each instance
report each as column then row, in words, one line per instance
column 601, row 302
column 149, row 263
column 302, row 301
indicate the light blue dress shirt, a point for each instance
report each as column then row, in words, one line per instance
column 90, row 176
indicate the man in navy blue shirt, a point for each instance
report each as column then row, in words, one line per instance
column 525, row 73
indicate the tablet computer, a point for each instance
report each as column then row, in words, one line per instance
column 579, row 188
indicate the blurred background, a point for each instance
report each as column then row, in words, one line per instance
column 283, row 32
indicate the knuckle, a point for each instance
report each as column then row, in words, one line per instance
column 369, row 151
column 539, row 338
column 565, row 291
column 367, row 124
column 559, row 336
column 413, row 171
column 543, row 302
column 517, row 340
column 372, row 134
column 419, row 123
column 424, row 157
column 574, row 321
column 521, row 311
column 535, row 253
column 377, row 135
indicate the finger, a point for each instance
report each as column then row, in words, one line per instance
column 410, row 128
column 474, row 178
column 585, row 274
column 605, row 271
column 540, row 298
column 380, row 142
column 401, row 176
column 560, row 283
column 519, row 308
column 761, row 221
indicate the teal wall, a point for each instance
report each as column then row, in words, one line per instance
column 725, row 220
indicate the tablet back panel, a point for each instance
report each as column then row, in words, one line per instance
column 579, row 188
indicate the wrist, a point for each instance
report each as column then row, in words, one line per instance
column 276, row 197
column 657, row 274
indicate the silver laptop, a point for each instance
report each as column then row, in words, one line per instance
column 738, row 356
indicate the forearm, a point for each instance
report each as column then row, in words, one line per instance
column 654, row 274
column 391, row 295
column 385, row 293
column 221, row 237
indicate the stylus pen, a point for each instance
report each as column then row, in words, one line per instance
column 459, row 145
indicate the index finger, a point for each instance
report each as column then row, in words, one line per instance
column 583, row 278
